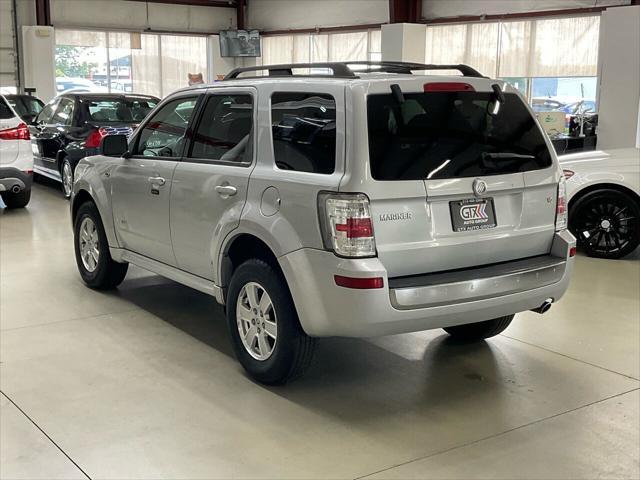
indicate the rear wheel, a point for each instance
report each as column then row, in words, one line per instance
column 473, row 332
column 606, row 223
column 66, row 172
column 267, row 337
column 17, row 200
column 96, row 267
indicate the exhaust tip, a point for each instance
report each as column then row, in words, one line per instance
column 545, row 307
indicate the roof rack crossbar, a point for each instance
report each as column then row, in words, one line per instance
column 343, row 70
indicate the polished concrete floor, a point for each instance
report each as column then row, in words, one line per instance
column 141, row 383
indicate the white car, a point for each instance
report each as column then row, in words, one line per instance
column 603, row 189
column 16, row 158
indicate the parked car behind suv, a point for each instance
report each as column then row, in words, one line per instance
column 71, row 126
column 352, row 203
column 26, row 106
column 16, row 159
column 603, row 194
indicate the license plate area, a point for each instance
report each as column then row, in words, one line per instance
column 472, row 214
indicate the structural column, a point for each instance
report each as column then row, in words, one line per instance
column 404, row 42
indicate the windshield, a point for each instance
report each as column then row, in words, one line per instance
column 117, row 110
column 439, row 135
column 25, row 106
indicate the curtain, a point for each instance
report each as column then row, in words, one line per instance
column 566, row 47
column 557, row 47
column 180, row 56
column 145, row 66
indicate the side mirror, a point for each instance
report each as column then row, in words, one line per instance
column 114, row 146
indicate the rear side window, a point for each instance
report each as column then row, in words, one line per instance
column 5, row 111
column 165, row 134
column 440, row 135
column 303, row 126
column 117, row 110
column 224, row 131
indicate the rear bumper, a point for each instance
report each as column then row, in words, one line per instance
column 14, row 180
column 419, row 303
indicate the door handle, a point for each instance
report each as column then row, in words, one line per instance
column 157, row 181
column 226, row 190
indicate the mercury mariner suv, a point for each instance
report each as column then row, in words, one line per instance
column 334, row 199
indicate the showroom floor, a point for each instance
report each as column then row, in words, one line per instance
column 141, row 383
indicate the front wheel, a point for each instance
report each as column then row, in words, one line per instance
column 266, row 333
column 474, row 332
column 606, row 223
column 96, row 267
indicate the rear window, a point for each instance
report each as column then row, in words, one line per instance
column 440, row 135
column 118, row 110
column 5, row 111
column 27, row 107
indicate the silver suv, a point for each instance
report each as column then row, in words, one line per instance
column 333, row 199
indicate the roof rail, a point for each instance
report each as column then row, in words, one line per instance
column 343, row 70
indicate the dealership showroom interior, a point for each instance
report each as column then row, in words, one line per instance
column 308, row 239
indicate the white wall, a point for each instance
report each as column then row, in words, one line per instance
column 456, row 8
column 619, row 74
column 403, row 42
column 292, row 14
column 121, row 14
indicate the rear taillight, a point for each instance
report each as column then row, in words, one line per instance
column 21, row 132
column 359, row 283
column 561, row 206
column 346, row 223
column 94, row 138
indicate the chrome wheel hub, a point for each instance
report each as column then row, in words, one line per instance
column 256, row 319
column 605, row 224
column 67, row 179
column 88, row 242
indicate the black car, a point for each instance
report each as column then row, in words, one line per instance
column 26, row 106
column 71, row 126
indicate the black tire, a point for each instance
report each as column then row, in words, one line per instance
column 474, row 332
column 606, row 223
column 293, row 350
column 66, row 169
column 17, row 200
column 107, row 273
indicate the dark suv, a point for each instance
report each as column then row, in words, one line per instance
column 71, row 126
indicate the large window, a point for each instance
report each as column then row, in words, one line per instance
column 322, row 47
column 128, row 61
column 553, row 61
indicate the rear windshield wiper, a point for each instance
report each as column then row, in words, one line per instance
column 507, row 156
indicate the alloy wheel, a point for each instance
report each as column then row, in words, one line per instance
column 606, row 225
column 88, row 241
column 256, row 320
column 67, row 179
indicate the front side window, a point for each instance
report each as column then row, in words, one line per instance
column 441, row 135
column 303, row 126
column 224, row 132
column 64, row 112
column 164, row 134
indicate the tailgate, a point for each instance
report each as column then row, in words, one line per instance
column 457, row 181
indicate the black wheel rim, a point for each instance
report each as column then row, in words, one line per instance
column 606, row 225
